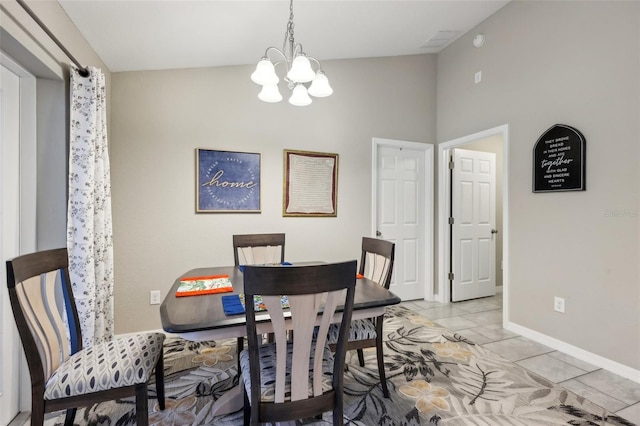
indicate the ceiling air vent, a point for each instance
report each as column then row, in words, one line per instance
column 440, row 40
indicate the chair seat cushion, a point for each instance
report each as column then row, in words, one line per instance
column 268, row 371
column 360, row 329
column 121, row 362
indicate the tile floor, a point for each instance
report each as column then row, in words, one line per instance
column 480, row 321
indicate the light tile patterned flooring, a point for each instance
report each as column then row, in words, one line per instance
column 480, row 321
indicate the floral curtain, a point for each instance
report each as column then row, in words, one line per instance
column 89, row 231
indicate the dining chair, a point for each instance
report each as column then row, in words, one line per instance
column 64, row 375
column 256, row 249
column 299, row 378
column 376, row 264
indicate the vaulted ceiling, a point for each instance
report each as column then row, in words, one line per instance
column 165, row 34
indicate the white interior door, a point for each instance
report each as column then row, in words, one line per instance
column 401, row 216
column 473, row 212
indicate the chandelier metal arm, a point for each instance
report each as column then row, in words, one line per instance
column 311, row 58
column 280, row 52
column 286, row 60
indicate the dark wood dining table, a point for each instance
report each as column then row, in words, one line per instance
column 202, row 317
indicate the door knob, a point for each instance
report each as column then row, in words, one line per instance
column 378, row 233
column 494, row 231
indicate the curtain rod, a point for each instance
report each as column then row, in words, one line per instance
column 83, row 71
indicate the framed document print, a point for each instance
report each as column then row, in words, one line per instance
column 310, row 184
column 227, row 182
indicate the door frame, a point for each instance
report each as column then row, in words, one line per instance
column 443, row 290
column 26, row 192
column 428, row 152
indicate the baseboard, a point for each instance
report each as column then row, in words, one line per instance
column 574, row 351
column 22, row 419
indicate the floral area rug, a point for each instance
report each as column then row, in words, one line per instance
column 435, row 377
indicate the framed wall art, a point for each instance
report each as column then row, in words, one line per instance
column 227, row 181
column 559, row 160
column 310, row 184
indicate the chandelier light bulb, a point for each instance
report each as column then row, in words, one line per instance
column 320, row 87
column 270, row 93
column 265, row 73
column 301, row 71
column 300, row 97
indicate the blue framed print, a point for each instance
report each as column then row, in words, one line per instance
column 227, row 182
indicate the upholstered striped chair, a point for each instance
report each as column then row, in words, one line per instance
column 376, row 264
column 63, row 374
column 299, row 379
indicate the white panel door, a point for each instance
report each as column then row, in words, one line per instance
column 10, row 349
column 400, row 209
column 473, row 208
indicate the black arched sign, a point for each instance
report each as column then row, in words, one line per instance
column 559, row 160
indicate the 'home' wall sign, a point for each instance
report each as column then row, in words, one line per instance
column 559, row 160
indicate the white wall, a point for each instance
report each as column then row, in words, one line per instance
column 576, row 63
column 159, row 118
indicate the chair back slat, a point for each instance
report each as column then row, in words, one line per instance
column 259, row 255
column 274, row 308
column 304, row 309
column 37, row 300
column 331, row 303
column 55, row 314
column 257, row 249
column 376, row 268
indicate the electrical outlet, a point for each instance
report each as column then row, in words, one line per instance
column 558, row 304
column 154, row 297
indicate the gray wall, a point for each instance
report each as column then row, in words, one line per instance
column 159, row 118
column 575, row 63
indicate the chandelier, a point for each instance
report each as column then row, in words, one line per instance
column 299, row 72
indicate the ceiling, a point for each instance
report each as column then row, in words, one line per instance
column 166, row 34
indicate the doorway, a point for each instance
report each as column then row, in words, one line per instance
column 17, row 218
column 472, row 221
column 402, row 212
column 499, row 134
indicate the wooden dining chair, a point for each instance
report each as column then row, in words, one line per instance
column 65, row 376
column 376, row 264
column 257, row 249
column 288, row 380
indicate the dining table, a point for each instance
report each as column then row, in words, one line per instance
column 202, row 317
